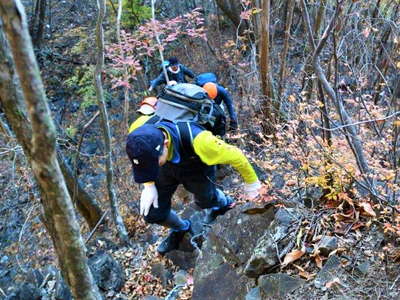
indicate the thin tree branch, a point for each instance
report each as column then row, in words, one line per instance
column 153, row 18
column 123, row 235
column 360, row 122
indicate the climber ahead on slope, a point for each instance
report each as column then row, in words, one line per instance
column 175, row 71
column 220, row 95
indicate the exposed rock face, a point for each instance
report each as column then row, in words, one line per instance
column 228, row 246
column 327, row 244
column 222, row 283
column 264, row 255
column 24, row 292
column 276, row 286
column 331, row 270
column 107, row 272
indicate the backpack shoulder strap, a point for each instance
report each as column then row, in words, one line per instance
column 153, row 120
column 186, row 139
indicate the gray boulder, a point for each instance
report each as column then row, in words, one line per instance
column 264, row 255
column 254, row 294
column 221, row 283
column 226, row 249
column 278, row 285
column 26, row 291
column 330, row 271
column 107, row 272
column 327, row 244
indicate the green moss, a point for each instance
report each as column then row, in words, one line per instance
column 133, row 12
column 82, row 82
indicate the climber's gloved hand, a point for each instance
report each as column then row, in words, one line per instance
column 252, row 190
column 148, row 198
column 150, row 88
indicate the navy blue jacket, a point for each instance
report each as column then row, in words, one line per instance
column 178, row 77
column 224, row 96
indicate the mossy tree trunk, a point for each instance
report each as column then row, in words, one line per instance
column 59, row 215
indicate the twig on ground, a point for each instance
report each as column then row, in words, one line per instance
column 394, row 282
column 172, row 294
column 45, row 281
column 95, row 227
column 20, row 236
column 84, row 129
column 2, row 292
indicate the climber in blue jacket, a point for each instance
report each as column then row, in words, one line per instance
column 219, row 94
column 176, row 72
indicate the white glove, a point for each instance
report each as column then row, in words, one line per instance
column 149, row 197
column 150, row 89
column 252, row 190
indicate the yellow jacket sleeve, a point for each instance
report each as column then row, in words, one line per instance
column 213, row 151
column 138, row 122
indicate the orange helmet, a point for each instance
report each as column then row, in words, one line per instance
column 211, row 89
column 148, row 105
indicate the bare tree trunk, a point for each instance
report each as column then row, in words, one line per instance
column 38, row 22
column 320, row 16
column 308, row 81
column 12, row 100
column 41, row 25
column 105, row 124
column 376, row 10
column 288, row 25
column 153, row 17
column 381, row 59
column 264, row 50
column 119, row 15
column 126, row 74
column 266, row 83
column 85, row 203
column 350, row 130
column 232, row 9
column 34, row 16
column 59, row 214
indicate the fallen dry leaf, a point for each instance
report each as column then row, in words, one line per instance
column 306, row 275
column 368, row 209
column 291, row 182
column 292, row 256
column 318, row 261
column 333, row 282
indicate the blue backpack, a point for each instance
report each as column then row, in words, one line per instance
column 203, row 78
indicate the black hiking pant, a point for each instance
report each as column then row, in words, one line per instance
column 196, row 177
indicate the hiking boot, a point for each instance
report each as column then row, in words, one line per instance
column 172, row 241
column 214, row 213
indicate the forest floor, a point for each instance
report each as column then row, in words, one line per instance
column 369, row 253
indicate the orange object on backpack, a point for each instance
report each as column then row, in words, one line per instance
column 148, row 106
column 211, row 89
